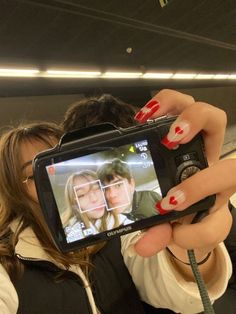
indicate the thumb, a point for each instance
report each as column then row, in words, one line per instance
column 154, row 240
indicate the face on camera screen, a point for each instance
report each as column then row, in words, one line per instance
column 105, row 190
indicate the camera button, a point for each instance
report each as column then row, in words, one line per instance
column 186, row 170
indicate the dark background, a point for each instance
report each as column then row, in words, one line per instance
column 184, row 36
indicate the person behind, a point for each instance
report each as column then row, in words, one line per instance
column 119, row 189
column 115, row 277
column 106, row 108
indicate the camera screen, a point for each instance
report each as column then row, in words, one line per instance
column 104, row 190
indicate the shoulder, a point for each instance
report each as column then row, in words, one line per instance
column 8, row 295
column 148, row 194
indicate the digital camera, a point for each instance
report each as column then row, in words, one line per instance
column 104, row 181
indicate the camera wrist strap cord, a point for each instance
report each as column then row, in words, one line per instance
column 208, row 308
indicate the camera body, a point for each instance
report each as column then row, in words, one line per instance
column 104, row 181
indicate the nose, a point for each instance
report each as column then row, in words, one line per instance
column 93, row 196
column 111, row 192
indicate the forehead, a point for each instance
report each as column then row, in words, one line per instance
column 117, row 178
column 83, row 179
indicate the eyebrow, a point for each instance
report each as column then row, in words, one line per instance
column 26, row 164
column 117, row 180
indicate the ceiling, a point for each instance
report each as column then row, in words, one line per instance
column 136, row 35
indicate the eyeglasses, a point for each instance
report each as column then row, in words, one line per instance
column 28, row 179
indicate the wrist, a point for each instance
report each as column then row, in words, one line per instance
column 200, row 261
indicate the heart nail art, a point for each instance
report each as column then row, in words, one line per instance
column 178, row 130
column 173, row 201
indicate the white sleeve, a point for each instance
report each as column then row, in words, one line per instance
column 160, row 285
column 8, row 295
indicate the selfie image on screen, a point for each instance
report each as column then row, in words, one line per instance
column 105, row 190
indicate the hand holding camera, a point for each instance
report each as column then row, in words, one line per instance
column 213, row 228
column 158, row 162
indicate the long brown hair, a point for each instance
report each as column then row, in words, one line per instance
column 16, row 204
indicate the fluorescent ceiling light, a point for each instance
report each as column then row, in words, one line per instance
column 52, row 73
column 19, row 72
column 220, row 76
column 72, row 74
column 184, row 76
column 232, row 77
column 123, row 75
column 152, row 75
column 204, row 76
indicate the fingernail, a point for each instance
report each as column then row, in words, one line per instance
column 170, row 202
column 177, row 132
column 147, row 111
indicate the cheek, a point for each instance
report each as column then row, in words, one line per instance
column 131, row 190
column 100, row 196
column 83, row 203
column 91, row 214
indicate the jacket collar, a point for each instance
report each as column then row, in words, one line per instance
column 28, row 245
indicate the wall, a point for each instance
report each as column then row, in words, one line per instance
column 224, row 98
column 52, row 108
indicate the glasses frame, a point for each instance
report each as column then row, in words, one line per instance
column 27, row 179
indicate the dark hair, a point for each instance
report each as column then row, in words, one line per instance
column 108, row 171
column 95, row 110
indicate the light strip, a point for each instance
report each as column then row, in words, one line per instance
column 152, row 75
column 232, row 77
column 204, row 76
column 220, row 76
column 18, row 72
column 185, row 76
column 51, row 73
column 124, row 75
column 72, row 74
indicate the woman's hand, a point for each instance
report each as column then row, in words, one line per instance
column 218, row 179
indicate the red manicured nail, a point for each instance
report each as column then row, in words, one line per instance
column 169, row 144
column 161, row 210
column 147, row 111
column 176, row 133
column 151, row 104
column 170, row 202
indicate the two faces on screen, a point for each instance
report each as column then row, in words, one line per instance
column 94, row 197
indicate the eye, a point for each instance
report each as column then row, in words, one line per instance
column 81, row 196
column 95, row 187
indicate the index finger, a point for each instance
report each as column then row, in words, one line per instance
column 166, row 102
column 217, row 179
